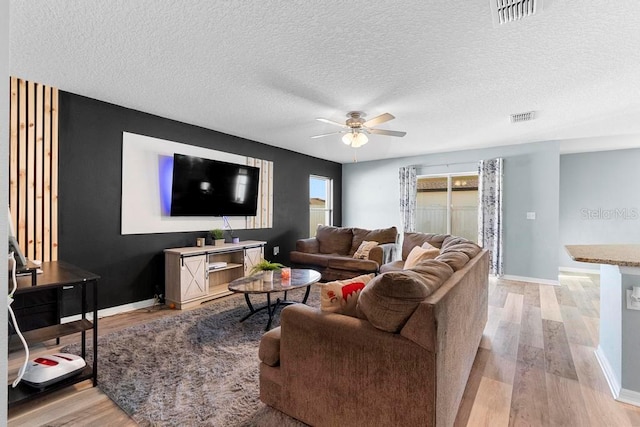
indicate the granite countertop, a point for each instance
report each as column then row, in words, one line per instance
column 624, row 255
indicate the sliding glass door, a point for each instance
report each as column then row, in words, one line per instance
column 448, row 204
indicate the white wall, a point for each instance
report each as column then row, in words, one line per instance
column 370, row 199
column 141, row 201
column 599, row 200
column 4, row 174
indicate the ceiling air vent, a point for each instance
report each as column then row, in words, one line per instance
column 504, row 11
column 523, row 117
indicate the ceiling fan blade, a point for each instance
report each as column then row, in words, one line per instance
column 331, row 122
column 379, row 119
column 327, row 134
column 387, row 132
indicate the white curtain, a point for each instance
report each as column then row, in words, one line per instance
column 490, row 212
column 408, row 191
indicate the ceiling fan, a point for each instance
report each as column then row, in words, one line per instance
column 356, row 128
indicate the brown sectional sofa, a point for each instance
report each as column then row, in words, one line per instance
column 331, row 251
column 384, row 367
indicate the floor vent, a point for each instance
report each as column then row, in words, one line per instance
column 523, row 117
column 504, row 11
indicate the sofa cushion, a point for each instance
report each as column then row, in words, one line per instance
column 340, row 296
column 455, row 260
column 390, row 299
column 334, row 240
column 304, row 258
column 348, row 263
column 412, row 240
column 435, row 272
column 269, row 350
column 418, row 254
column 392, row 266
column 364, row 249
column 381, row 235
column 460, row 244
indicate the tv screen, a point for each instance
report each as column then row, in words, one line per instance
column 204, row 187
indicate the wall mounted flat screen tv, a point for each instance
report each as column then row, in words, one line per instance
column 204, row 187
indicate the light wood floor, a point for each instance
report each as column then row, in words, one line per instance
column 536, row 366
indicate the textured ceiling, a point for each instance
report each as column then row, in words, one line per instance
column 264, row 70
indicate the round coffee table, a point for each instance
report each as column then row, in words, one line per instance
column 300, row 278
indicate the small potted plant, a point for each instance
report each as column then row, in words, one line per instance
column 218, row 236
column 266, row 268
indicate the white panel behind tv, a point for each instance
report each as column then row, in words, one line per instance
column 141, row 200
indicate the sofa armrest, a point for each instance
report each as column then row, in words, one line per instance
column 341, row 368
column 310, row 246
column 384, row 253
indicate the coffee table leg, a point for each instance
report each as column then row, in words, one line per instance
column 252, row 311
column 246, row 298
column 306, row 295
column 270, row 309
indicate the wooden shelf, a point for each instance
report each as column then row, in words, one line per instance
column 51, row 332
column 229, row 266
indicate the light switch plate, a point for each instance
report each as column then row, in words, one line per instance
column 531, row 215
column 631, row 304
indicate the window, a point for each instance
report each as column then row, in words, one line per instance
column 320, row 202
column 448, row 204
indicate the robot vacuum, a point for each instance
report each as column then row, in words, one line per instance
column 46, row 370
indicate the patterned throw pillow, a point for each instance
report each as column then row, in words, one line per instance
column 364, row 249
column 418, row 254
column 341, row 296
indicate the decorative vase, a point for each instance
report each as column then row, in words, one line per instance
column 267, row 275
column 218, row 242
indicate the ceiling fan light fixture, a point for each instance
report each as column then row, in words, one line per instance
column 355, row 139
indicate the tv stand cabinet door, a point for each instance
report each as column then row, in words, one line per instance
column 252, row 256
column 194, row 281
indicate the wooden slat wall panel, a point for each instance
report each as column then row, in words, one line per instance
column 33, row 168
column 39, row 171
column 46, row 223
column 22, row 167
column 13, row 149
column 250, row 220
column 264, row 214
column 54, row 173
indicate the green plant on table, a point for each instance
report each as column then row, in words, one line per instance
column 265, row 265
column 217, row 233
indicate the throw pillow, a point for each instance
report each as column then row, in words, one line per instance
column 364, row 248
column 427, row 245
column 341, row 296
column 418, row 254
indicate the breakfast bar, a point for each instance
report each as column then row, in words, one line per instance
column 618, row 351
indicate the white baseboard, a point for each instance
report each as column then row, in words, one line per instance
column 629, row 396
column 580, row 270
column 111, row 311
column 607, row 370
column 531, row 280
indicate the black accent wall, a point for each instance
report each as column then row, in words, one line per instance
column 90, row 188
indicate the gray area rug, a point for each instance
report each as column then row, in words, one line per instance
column 197, row 368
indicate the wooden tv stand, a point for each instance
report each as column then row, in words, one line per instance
column 190, row 276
